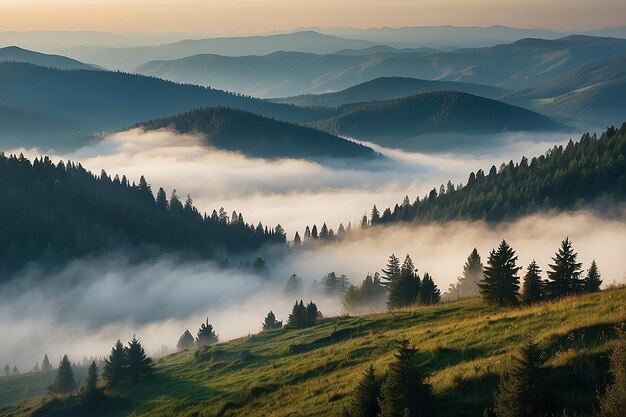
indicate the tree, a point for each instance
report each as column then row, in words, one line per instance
column 324, row 232
column 294, row 284
column 206, row 335
column 259, row 268
column 592, row 280
column 429, row 293
column 45, row 364
column 161, row 200
column 303, row 316
column 312, row 314
column 371, row 293
column 523, row 392
column 405, row 387
column 392, row 270
column 314, row 232
column 467, row 285
column 140, row 365
column 405, row 287
column 185, row 341
column 533, row 287
column 64, row 382
column 365, row 397
column 375, row 216
column 334, row 285
column 91, row 394
column 614, row 398
column 115, row 366
column 500, row 282
column 296, row 240
column 564, row 273
column 270, row 322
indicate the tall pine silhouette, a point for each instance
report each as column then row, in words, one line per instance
column 140, row 365
column 533, row 288
column 365, row 397
column 593, row 279
column 500, row 283
column 115, row 365
column 564, row 273
column 64, row 382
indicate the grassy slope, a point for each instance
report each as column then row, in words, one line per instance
column 466, row 345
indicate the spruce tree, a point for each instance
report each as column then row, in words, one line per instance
column 533, row 287
column 91, row 394
column 500, row 282
column 375, row 216
column 270, row 322
column 467, row 285
column 405, row 287
column 523, row 391
column 64, row 382
column 613, row 401
column 297, row 319
column 294, row 284
column 115, row 366
column 564, row 273
column 429, row 294
column 592, row 280
column 206, row 335
column 405, row 387
column 392, row 270
column 185, row 341
column 45, row 364
column 365, row 397
column 140, row 365
column 312, row 314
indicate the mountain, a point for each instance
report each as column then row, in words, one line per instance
column 577, row 175
column 304, row 41
column 52, row 214
column 16, row 54
column 593, row 93
column 257, row 136
column 401, row 122
column 521, row 64
column 386, row 88
column 106, row 101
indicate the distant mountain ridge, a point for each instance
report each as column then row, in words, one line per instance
column 17, row 54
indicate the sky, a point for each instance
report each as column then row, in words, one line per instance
column 257, row 16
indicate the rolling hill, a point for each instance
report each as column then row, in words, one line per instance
column 593, row 93
column 257, row 136
column 521, row 64
column 400, row 122
column 386, row 88
column 106, row 101
column 465, row 346
column 16, row 54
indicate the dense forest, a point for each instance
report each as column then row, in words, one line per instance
column 52, row 213
column 566, row 177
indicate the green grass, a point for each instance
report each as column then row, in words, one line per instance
column 466, row 345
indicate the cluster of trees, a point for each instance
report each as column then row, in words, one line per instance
column 501, row 284
column 127, row 363
column 405, row 287
column 312, row 234
column 565, row 177
column 45, row 366
column 371, row 293
column 467, row 284
column 303, row 316
column 206, row 336
column 66, row 212
column 270, row 322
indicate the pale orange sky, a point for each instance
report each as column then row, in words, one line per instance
column 249, row 16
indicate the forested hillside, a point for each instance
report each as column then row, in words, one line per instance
column 564, row 178
column 17, row 54
column 53, row 213
column 258, row 136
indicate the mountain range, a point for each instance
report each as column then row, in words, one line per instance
column 17, row 54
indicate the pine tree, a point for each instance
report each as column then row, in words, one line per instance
column 429, row 294
column 500, row 282
column 375, row 216
column 45, row 364
column 365, row 397
column 324, row 232
column 91, row 394
column 140, row 365
column 115, row 366
column 405, row 287
column 296, row 240
column 392, row 270
column 185, row 341
column 314, row 232
column 532, row 289
column 467, row 285
column 614, row 399
column 206, row 335
column 294, row 284
column 592, row 280
column 405, row 387
column 64, row 382
column 523, row 393
column 297, row 319
column 564, row 274
column 270, row 322
column 312, row 314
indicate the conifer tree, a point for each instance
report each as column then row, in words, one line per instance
column 206, row 335
column 533, row 287
column 294, row 284
column 523, row 392
column 375, row 216
column 297, row 319
column 116, row 365
column 140, row 365
column 185, row 341
column 91, row 394
column 391, row 271
column 312, row 314
column 592, row 280
column 324, row 232
column 613, row 401
column 405, row 288
column 500, row 282
column 467, row 285
column 270, row 322
column 429, row 294
column 296, row 240
column 64, row 382
column 314, row 233
column 365, row 397
column 405, row 387
column 564, row 273
column 45, row 364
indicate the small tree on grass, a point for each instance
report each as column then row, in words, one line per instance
column 270, row 322
column 405, row 390
column 532, row 290
column 115, row 366
column 64, row 382
column 523, row 392
column 206, row 335
column 613, row 401
column 592, row 280
column 365, row 398
column 140, row 365
column 185, row 341
column 91, row 394
column 303, row 316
